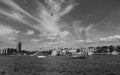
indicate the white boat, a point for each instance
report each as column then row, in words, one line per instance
column 41, row 56
column 79, row 55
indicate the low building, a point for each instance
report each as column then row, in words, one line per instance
column 7, row 51
column 54, row 53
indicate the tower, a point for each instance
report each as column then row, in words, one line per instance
column 19, row 46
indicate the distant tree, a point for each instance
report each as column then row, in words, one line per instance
column 111, row 48
column 118, row 48
column 104, row 49
column 98, row 50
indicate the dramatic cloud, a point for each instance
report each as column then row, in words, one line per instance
column 14, row 15
column 59, row 22
column 14, row 6
column 18, row 13
column 51, row 16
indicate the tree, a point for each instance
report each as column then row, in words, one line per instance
column 98, row 49
column 104, row 49
column 111, row 48
column 118, row 48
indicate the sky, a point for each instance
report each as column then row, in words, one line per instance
column 59, row 23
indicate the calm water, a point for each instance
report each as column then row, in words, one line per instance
column 60, row 65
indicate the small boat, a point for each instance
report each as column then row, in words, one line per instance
column 41, row 56
column 79, row 55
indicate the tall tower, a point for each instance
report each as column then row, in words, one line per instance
column 19, row 46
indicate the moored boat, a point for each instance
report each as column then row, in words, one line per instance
column 79, row 55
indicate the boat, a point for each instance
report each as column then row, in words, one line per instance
column 79, row 55
column 41, row 56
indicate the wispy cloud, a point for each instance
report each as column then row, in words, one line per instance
column 53, row 15
column 14, row 15
column 49, row 21
column 35, row 41
column 81, row 31
column 30, row 32
column 111, row 38
column 18, row 13
column 7, row 33
column 49, row 18
column 14, row 6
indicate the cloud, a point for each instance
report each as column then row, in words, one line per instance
column 11, row 38
column 7, row 33
column 14, row 6
column 30, row 32
column 81, row 31
column 111, row 38
column 59, row 44
column 6, row 30
column 14, row 15
column 85, row 32
column 51, row 15
column 19, row 14
column 36, row 40
column 13, row 42
column 52, row 36
column 49, row 21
